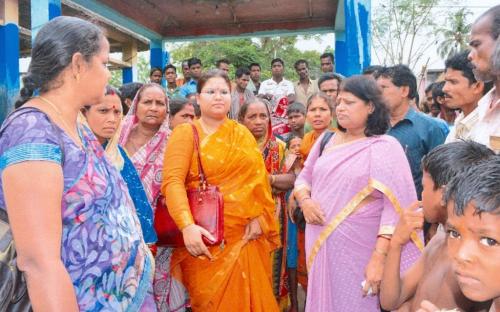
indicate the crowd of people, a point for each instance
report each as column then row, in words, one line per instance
column 362, row 192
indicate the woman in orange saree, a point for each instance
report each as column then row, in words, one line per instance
column 235, row 276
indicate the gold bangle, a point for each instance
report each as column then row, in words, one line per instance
column 273, row 179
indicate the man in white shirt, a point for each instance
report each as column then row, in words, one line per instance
column 277, row 87
column 484, row 56
column 462, row 91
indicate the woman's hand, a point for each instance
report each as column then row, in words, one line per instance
column 312, row 212
column 292, row 205
column 373, row 274
column 252, row 230
column 192, row 235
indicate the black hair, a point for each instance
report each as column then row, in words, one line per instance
column 244, row 107
column 252, row 65
column 241, row 71
column 53, row 49
column 176, row 105
column 213, row 73
column 478, row 185
column 447, row 160
column 296, row 107
column 328, row 54
column 301, row 61
column 494, row 14
column 193, row 61
column 461, row 62
column 277, row 60
column 330, row 76
column 437, row 91
column 372, row 70
column 429, row 87
column 153, row 69
column 323, row 96
column 197, row 109
column 170, row 66
column 366, row 89
column 401, row 76
column 290, row 138
column 224, row 60
column 129, row 90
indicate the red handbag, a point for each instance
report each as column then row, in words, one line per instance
column 207, row 208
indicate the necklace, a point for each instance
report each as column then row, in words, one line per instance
column 76, row 138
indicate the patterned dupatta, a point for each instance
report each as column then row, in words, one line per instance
column 148, row 160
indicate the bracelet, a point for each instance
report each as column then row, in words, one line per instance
column 273, row 179
column 380, row 252
column 384, row 236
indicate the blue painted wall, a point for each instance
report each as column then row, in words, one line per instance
column 9, row 68
column 43, row 11
column 158, row 56
column 353, row 42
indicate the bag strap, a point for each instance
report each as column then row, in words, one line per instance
column 201, row 172
column 326, row 138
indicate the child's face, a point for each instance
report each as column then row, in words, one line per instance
column 474, row 249
column 432, row 200
column 295, row 145
column 296, row 121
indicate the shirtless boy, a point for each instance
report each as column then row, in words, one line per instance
column 473, row 229
column 431, row 277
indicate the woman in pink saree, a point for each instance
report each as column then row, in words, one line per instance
column 351, row 194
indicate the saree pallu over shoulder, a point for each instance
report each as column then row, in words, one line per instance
column 239, row 279
column 362, row 187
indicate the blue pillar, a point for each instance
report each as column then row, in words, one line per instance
column 127, row 75
column 43, row 11
column 158, row 55
column 9, row 67
column 353, row 36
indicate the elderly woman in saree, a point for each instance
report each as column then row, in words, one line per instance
column 351, row 193
column 104, row 119
column 235, row 276
column 255, row 115
column 144, row 135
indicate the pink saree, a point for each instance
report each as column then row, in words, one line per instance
column 339, row 251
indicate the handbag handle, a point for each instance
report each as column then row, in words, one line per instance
column 201, row 172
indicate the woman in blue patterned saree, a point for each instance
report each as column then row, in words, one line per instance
column 78, row 238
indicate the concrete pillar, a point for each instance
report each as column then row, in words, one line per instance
column 158, row 55
column 129, row 55
column 43, row 11
column 9, row 56
column 352, row 36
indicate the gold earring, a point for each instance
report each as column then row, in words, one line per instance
column 77, row 77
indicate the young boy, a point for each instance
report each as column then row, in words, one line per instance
column 296, row 114
column 431, row 277
column 473, row 231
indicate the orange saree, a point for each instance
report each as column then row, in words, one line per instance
column 239, row 279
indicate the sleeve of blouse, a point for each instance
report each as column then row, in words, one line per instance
column 29, row 136
column 304, row 180
column 176, row 166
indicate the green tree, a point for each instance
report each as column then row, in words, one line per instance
column 453, row 36
column 242, row 52
column 142, row 72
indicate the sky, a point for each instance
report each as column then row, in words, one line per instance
column 477, row 7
